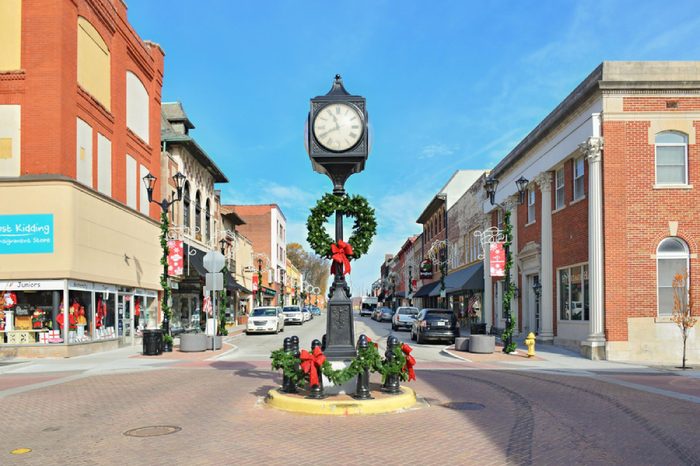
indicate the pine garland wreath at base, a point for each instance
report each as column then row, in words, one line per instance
column 363, row 230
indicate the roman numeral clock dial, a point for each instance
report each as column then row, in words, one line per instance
column 338, row 127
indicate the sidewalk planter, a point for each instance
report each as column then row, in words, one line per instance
column 242, row 320
column 217, row 342
column 193, row 342
column 478, row 329
column 485, row 344
column 152, row 342
column 462, row 344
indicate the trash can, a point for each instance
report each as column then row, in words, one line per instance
column 152, row 342
column 478, row 329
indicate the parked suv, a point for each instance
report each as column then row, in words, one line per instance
column 435, row 324
column 293, row 315
column 403, row 318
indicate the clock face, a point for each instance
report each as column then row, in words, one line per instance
column 338, row 127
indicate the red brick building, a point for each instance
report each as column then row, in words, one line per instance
column 79, row 128
column 610, row 213
column 266, row 227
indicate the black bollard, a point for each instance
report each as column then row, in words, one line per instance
column 323, row 343
column 288, row 385
column 362, row 390
column 316, row 392
column 296, row 352
column 391, row 383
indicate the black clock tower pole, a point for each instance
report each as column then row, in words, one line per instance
column 338, row 165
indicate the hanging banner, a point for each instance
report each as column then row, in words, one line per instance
column 498, row 260
column 206, row 305
column 255, row 283
column 175, row 258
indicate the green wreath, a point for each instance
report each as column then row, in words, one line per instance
column 363, row 230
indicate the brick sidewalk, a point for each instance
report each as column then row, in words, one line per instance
column 511, row 417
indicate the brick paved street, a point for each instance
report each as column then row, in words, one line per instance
column 513, row 417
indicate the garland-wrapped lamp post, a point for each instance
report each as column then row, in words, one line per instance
column 260, row 282
column 505, row 235
column 150, row 182
column 337, row 141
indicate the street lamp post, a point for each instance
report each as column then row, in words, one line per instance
column 282, row 286
column 296, row 293
column 410, row 285
column 260, row 281
column 490, row 185
column 150, row 182
column 537, row 288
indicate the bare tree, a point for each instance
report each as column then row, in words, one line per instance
column 683, row 308
column 314, row 269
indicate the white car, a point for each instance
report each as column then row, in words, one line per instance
column 265, row 319
column 307, row 314
column 293, row 315
column 403, row 318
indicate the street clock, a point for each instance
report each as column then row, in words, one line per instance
column 337, row 135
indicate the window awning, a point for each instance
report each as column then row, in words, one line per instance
column 425, row 290
column 196, row 260
column 470, row 278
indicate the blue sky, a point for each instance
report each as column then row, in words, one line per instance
column 449, row 85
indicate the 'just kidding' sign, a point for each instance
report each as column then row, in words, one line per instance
column 26, row 234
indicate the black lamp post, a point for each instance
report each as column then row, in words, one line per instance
column 296, row 293
column 260, row 282
column 537, row 288
column 282, row 287
column 410, row 285
column 490, row 185
column 338, row 158
column 150, row 181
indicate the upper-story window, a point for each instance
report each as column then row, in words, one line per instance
column 136, row 106
column 531, row 196
column 671, row 158
column 671, row 259
column 559, row 200
column 578, row 178
column 198, row 215
column 207, row 221
column 186, row 206
column 11, row 35
column 93, row 63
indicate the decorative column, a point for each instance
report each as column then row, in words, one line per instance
column 594, row 346
column 544, row 180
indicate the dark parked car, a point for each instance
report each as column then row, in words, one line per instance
column 435, row 324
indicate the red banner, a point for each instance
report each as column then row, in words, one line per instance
column 498, row 260
column 255, row 283
column 175, row 258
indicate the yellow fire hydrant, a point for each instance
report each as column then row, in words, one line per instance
column 530, row 342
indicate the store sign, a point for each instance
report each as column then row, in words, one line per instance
column 498, row 260
column 176, row 260
column 21, row 285
column 78, row 285
column 26, row 234
column 426, row 269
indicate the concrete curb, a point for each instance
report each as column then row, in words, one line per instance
column 448, row 354
column 345, row 406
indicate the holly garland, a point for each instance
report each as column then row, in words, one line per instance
column 366, row 359
column 363, row 230
column 164, row 225
column 508, row 293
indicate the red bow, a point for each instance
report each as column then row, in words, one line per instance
column 340, row 253
column 410, row 362
column 309, row 363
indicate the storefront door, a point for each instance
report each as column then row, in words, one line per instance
column 532, row 321
column 125, row 319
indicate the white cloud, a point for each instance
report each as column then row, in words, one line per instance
column 436, row 150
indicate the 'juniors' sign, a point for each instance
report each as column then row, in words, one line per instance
column 26, row 234
column 498, row 260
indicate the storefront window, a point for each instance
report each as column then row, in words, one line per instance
column 573, row 293
column 79, row 316
column 105, row 315
column 27, row 317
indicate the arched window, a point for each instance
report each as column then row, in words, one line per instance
column 136, row 106
column 671, row 158
column 198, row 214
column 671, row 259
column 186, row 206
column 93, row 62
column 207, row 221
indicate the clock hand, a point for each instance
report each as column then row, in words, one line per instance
column 321, row 136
